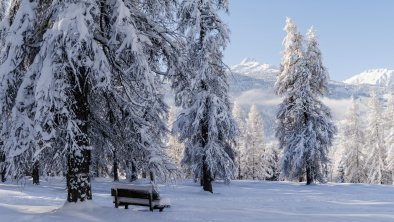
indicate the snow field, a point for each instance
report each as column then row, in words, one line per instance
column 242, row 201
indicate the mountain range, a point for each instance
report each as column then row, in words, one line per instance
column 252, row 82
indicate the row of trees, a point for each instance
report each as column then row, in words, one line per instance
column 368, row 145
column 82, row 85
column 256, row 159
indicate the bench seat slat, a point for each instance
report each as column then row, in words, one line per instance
column 143, row 202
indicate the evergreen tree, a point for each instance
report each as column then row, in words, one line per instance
column 93, row 77
column 271, row 157
column 319, row 81
column 305, row 130
column 353, row 158
column 205, row 124
column 389, row 136
column 19, row 35
column 240, row 141
column 375, row 159
column 3, row 8
column 175, row 148
column 255, row 147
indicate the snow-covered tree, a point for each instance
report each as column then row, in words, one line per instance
column 376, row 153
column 138, row 70
column 305, row 130
column 389, row 135
column 93, row 78
column 256, row 164
column 313, row 56
column 20, row 32
column 3, row 8
column 175, row 149
column 271, row 157
column 239, row 117
column 205, row 124
column 353, row 158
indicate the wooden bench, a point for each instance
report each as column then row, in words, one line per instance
column 142, row 195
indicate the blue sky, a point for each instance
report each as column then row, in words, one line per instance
column 354, row 35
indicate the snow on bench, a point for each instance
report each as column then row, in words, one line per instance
column 142, row 195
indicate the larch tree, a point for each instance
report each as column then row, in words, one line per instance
column 175, row 149
column 255, row 167
column 375, row 162
column 93, row 77
column 305, row 129
column 271, row 158
column 353, row 158
column 389, row 136
column 143, row 50
column 3, row 8
column 205, row 124
column 239, row 117
column 20, row 33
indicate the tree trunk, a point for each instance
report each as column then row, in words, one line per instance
column 207, row 180
column 152, row 177
column 2, row 167
column 36, row 173
column 115, row 168
column 239, row 167
column 309, row 177
column 3, row 177
column 79, row 156
column 134, row 174
column 97, row 168
column 78, row 180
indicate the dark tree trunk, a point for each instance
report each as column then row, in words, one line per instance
column 97, row 168
column 239, row 167
column 152, row 177
column 78, row 161
column 206, row 177
column 134, row 174
column 3, row 177
column 309, row 176
column 3, row 167
column 143, row 175
column 115, row 168
column 207, row 181
column 36, row 173
column 301, row 179
column 78, row 180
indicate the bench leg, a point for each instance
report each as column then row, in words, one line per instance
column 126, row 206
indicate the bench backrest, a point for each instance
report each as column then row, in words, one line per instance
column 134, row 191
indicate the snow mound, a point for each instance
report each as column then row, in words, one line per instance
column 79, row 206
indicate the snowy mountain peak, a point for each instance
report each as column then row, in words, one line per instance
column 249, row 61
column 251, row 67
column 379, row 77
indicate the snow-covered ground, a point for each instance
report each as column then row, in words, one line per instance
column 242, row 201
